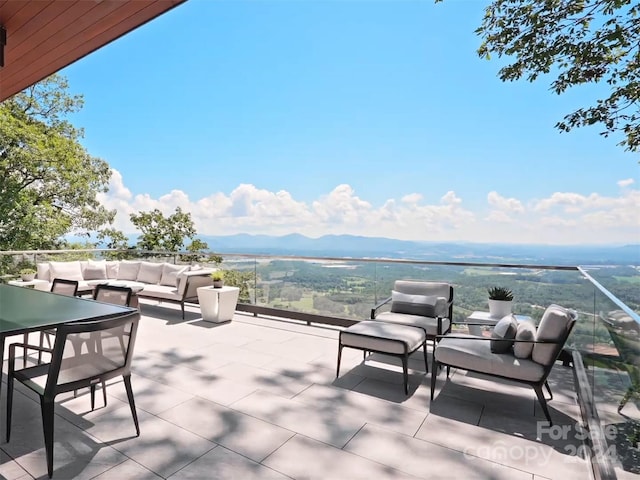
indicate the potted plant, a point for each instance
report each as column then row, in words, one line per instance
column 217, row 277
column 500, row 301
column 27, row 274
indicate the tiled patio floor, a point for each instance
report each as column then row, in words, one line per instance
column 258, row 399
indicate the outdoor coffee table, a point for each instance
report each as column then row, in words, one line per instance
column 388, row 338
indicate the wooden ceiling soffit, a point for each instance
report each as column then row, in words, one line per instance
column 43, row 37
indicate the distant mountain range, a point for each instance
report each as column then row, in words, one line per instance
column 378, row 247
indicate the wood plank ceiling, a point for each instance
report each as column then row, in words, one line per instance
column 46, row 36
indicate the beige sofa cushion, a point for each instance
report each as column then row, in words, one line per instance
column 66, row 270
column 160, row 291
column 150, row 272
column 128, row 270
column 170, row 274
column 112, row 268
column 43, row 271
column 95, row 270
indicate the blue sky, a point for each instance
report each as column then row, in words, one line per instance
column 363, row 117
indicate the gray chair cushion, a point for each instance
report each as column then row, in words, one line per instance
column 383, row 337
column 422, row 305
column 552, row 328
column 526, row 331
column 428, row 324
column 503, row 335
column 429, row 289
column 476, row 355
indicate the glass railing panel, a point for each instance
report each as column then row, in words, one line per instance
column 338, row 288
column 612, row 360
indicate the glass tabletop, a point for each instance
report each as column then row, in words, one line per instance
column 26, row 309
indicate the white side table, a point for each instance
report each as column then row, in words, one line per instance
column 218, row 304
column 35, row 283
column 486, row 319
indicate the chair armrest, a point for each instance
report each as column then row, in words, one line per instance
column 28, row 346
column 193, row 282
column 12, row 352
column 375, row 309
column 441, row 307
column 482, row 324
column 472, row 337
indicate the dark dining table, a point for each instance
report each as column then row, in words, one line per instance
column 24, row 310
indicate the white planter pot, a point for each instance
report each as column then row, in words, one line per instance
column 500, row 308
column 27, row 277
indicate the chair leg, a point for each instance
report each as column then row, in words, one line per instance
column 104, row 393
column 405, row 372
column 132, row 403
column 546, row 384
column 543, row 402
column 426, row 362
column 92, row 389
column 41, row 344
column 46, row 405
column 25, row 340
column 434, row 373
column 339, row 358
column 9, row 404
column 182, row 305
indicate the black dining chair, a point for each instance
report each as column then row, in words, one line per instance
column 61, row 286
column 69, row 369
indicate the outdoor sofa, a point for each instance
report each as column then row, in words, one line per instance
column 160, row 281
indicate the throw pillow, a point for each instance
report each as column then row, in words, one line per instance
column 128, row 270
column 526, row 331
column 422, row 305
column 66, row 270
column 552, row 328
column 503, row 335
column 150, row 273
column 112, row 268
column 170, row 274
column 44, row 271
column 95, row 271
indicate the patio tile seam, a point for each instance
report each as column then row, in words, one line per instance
column 454, row 450
column 191, row 462
column 127, row 458
column 339, row 449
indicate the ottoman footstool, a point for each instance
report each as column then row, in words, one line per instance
column 387, row 338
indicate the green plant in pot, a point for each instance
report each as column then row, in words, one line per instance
column 27, row 274
column 218, row 279
column 500, row 301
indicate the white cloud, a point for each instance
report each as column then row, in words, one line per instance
column 563, row 217
column 626, row 182
column 412, row 198
column 504, row 204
